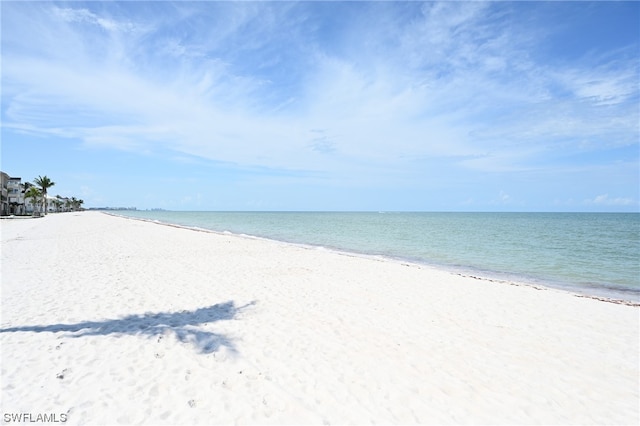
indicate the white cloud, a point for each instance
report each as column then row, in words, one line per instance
column 73, row 15
column 451, row 82
column 609, row 84
column 605, row 200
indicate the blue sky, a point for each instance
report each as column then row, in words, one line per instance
column 455, row 106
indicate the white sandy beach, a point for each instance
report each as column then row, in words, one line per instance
column 117, row 321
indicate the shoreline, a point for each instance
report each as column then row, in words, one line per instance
column 601, row 292
column 118, row 321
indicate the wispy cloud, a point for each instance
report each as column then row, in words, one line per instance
column 251, row 83
column 85, row 16
column 605, row 200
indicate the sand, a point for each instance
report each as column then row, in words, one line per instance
column 107, row 320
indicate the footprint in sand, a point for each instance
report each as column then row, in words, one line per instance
column 61, row 374
column 153, row 392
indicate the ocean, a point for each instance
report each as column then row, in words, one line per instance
column 590, row 253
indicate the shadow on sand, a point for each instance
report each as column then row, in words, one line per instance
column 154, row 324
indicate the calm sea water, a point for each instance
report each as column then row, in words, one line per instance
column 594, row 253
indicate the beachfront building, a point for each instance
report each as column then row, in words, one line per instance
column 58, row 204
column 54, row 205
column 4, row 181
column 14, row 201
column 30, row 207
column 15, row 188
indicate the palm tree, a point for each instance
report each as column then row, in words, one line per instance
column 76, row 204
column 44, row 183
column 58, row 203
column 33, row 193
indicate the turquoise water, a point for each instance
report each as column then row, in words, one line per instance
column 594, row 253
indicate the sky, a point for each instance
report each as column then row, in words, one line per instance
column 341, row 106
